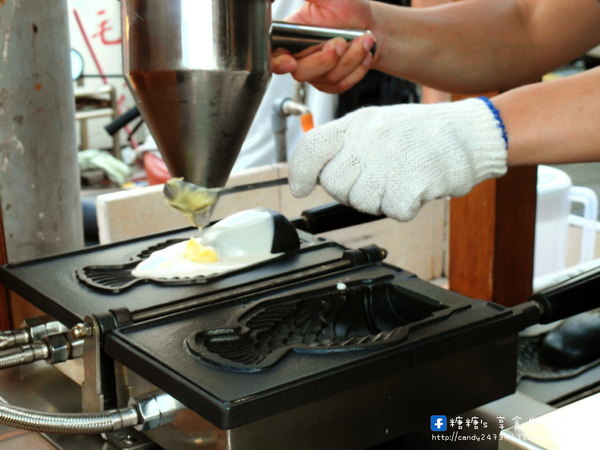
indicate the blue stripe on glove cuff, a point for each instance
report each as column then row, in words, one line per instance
column 498, row 118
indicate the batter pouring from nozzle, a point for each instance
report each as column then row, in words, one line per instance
column 197, row 203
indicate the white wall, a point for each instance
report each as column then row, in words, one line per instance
column 100, row 21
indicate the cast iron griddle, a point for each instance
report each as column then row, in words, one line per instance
column 51, row 283
column 228, row 397
column 166, row 343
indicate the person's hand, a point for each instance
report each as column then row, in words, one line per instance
column 336, row 65
column 392, row 159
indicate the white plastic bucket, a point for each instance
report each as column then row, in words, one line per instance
column 555, row 196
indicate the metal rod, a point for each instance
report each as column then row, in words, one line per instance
column 252, row 186
column 296, row 37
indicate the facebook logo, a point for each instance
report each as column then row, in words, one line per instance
column 439, row 423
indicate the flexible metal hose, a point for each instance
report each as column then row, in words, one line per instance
column 68, row 423
column 23, row 355
column 11, row 338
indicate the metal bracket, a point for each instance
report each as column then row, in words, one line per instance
column 92, row 393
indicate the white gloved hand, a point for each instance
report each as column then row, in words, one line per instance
column 392, row 159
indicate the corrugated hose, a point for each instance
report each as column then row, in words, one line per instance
column 68, row 423
column 24, row 354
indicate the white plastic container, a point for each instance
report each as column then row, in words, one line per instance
column 555, row 195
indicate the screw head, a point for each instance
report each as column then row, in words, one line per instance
column 81, row 330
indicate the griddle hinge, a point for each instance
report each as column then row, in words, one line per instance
column 113, row 319
column 122, row 316
column 365, row 255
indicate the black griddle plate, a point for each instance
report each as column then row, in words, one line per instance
column 51, row 283
column 154, row 346
column 157, row 348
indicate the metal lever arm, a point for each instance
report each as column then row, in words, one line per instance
column 296, row 37
column 252, row 186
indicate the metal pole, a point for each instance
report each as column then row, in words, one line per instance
column 39, row 178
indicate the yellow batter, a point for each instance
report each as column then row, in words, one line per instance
column 196, row 252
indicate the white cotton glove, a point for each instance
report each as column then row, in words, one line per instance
column 390, row 160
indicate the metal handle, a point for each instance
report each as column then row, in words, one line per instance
column 252, row 186
column 296, row 37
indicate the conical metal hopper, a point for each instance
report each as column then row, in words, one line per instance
column 198, row 71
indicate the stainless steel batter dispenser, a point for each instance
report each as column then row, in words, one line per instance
column 198, row 71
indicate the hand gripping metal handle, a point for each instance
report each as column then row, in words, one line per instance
column 296, row 37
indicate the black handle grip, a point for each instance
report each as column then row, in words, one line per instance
column 121, row 121
column 331, row 216
column 569, row 298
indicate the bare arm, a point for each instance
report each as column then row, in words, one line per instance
column 430, row 95
column 553, row 122
column 482, row 45
column 467, row 46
